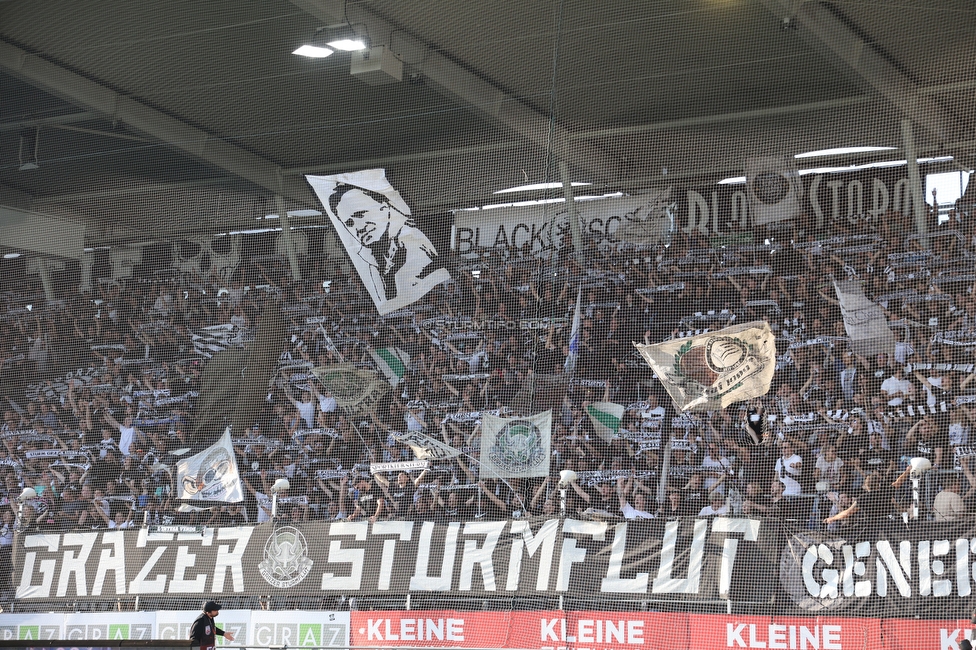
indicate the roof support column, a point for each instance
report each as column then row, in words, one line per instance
column 915, row 181
column 296, row 270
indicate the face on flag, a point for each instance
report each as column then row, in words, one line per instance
column 211, row 475
column 395, row 260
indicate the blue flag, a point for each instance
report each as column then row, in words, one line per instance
column 574, row 336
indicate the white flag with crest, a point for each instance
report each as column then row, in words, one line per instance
column 710, row 371
column 774, row 189
column 515, row 447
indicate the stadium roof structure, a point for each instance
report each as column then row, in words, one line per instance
column 172, row 118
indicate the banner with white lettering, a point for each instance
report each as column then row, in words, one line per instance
column 866, row 571
column 653, row 558
column 875, row 567
column 720, row 632
column 727, row 212
column 646, row 219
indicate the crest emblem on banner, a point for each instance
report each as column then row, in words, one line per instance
column 711, row 371
column 515, row 447
column 518, row 446
column 774, row 189
column 286, row 561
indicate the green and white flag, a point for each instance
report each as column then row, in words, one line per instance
column 606, row 417
column 710, row 371
column 392, row 362
column 515, row 447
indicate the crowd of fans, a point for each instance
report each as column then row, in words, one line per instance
column 99, row 387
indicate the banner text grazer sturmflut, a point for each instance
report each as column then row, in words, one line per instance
column 870, row 572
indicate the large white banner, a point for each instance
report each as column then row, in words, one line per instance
column 396, row 261
column 103, row 625
column 774, row 189
column 645, row 219
column 515, row 447
column 211, row 475
column 710, row 371
column 864, row 321
column 292, row 629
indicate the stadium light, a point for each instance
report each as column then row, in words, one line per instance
column 841, row 151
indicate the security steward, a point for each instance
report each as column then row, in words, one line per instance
column 204, row 630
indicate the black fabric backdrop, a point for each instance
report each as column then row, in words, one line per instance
column 889, row 569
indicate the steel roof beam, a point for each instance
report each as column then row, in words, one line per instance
column 53, row 120
column 30, row 231
column 92, row 96
column 821, row 26
column 459, row 84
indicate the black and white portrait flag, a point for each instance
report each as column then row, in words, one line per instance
column 397, row 262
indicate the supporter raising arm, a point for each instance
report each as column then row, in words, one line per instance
column 874, row 505
column 128, row 433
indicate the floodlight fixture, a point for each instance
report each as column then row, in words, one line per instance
column 841, row 151
column 314, row 51
column 344, row 38
column 532, row 187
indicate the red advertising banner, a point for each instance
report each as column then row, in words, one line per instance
column 590, row 630
column 531, row 630
column 900, row 634
column 439, row 629
column 717, row 632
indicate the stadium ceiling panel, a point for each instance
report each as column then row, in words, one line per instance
column 153, row 119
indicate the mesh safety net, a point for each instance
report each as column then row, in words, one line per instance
column 488, row 325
